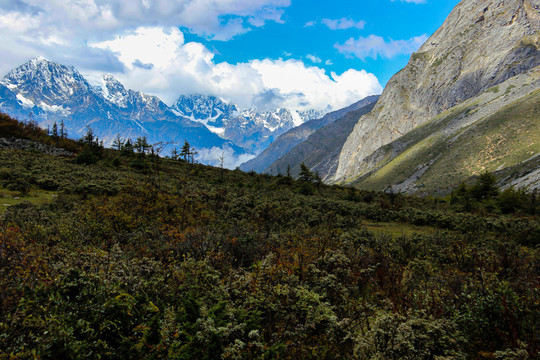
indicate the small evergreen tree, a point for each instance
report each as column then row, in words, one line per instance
column 485, row 187
column 118, row 143
column 127, row 149
column 175, row 154
column 142, row 145
column 54, row 132
column 63, row 131
column 305, row 173
column 186, row 151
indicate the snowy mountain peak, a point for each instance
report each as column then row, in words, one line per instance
column 43, row 81
column 111, row 89
column 202, row 107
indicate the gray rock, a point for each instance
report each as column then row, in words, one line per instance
column 23, row 144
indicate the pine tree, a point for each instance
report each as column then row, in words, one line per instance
column 186, row 151
column 175, row 154
column 118, row 143
column 305, row 173
column 54, row 132
column 142, row 145
column 63, row 131
column 128, row 147
column 485, row 187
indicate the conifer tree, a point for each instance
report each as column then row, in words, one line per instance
column 186, row 151
column 63, row 131
column 118, row 143
column 305, row 173
column 54, row 132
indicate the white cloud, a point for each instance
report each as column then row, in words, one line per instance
column 121, row 37
column 310, row 23
column 343, row 23
column 69, row 19
column 375, row 46
column 174, row 67
column 314, row 59
column 215, row 155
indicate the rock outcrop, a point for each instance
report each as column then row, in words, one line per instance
column 481, row 44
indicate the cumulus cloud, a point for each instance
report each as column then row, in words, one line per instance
column 61, row 29
column 121, row 37
column 217, row 19
column 215, row 155
column 184, row 68
column 343, row 24
column 375, row 46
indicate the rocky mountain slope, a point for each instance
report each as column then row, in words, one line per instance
column 250, row 129
column 480, row 45
column 287, row 141
column 321, row 149
column 498, row 131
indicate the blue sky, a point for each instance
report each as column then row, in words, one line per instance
column 299, row 54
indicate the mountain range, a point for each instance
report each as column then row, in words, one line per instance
column 250, row 129
column 50, row 92
column 285, row 143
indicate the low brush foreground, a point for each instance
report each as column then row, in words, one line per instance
column 119, row 254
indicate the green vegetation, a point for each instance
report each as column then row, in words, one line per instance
column 174, row 260
column 10, row 197
column 419, row 56
column 440, row 60
column 494, row 89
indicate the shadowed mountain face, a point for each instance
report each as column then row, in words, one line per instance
column 287, row 141
column 320, row 150
column 480, row 45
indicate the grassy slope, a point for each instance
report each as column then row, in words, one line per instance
column 501, row 140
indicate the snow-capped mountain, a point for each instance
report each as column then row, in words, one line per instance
column 250, row 129
column 50, row 93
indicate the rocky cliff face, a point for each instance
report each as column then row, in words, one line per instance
column 497, row 131
column 481, row 44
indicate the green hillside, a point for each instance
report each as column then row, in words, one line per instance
column 436, row 161
column 141, row 257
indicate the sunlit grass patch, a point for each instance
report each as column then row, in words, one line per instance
column 38, row 197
